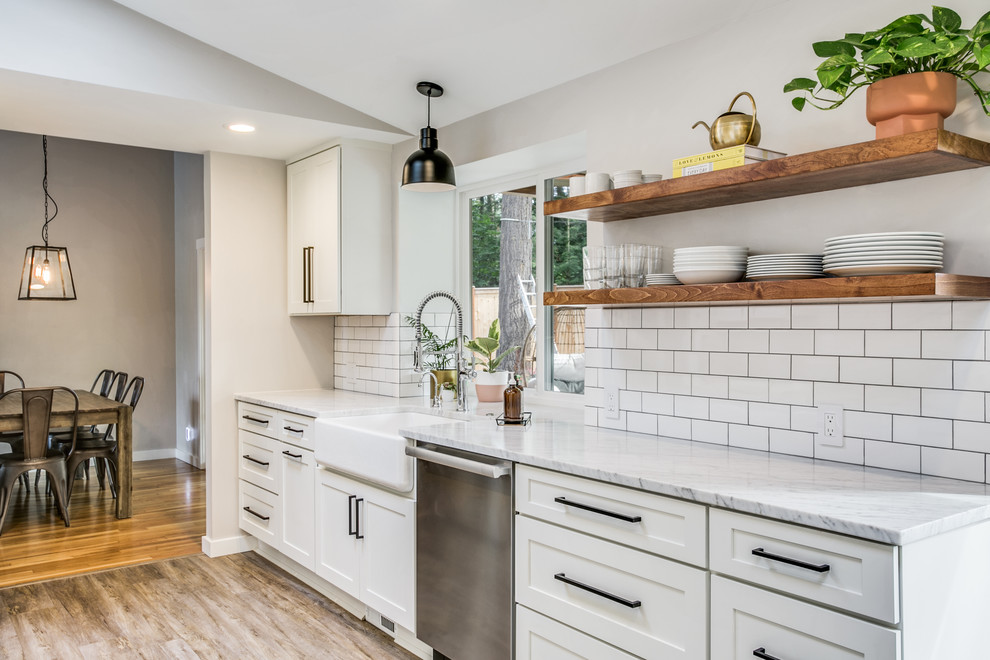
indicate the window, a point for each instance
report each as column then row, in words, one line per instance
column 515, row 255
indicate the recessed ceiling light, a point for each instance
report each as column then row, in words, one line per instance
column 241, row 128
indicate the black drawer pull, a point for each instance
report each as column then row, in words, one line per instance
column 350, row 515
column 255, row 513
column 291, row 455
column 254, row 460
column 818, row 568
column 588, row 507
column 598, row 592
column 357, row 518
column 255, row 420
column 762, row 653
column 292, row 430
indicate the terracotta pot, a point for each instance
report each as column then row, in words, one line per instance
column 910, row 102
column 490, row 386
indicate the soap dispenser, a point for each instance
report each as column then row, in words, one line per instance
column 512, row 401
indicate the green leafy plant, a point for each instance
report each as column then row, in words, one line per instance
column 909, row 44
column 487, row 347
column 438, row 353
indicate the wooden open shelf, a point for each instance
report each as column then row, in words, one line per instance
column 923, row 286
column 889, row 159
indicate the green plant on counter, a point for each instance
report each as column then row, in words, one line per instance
column 909, row 44
column 487, row 347
column 439, row 354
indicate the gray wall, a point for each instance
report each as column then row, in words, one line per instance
column 116, row 218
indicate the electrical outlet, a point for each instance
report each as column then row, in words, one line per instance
column 612, row 401
column 830, row 418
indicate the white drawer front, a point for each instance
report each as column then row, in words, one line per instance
column 749, row 623
column 669, row 620
column 861, row 576
column 259, row 514
column 257, row 419
column 258, row 462
column 296, row 430
column 540, row 638
column 654, row 523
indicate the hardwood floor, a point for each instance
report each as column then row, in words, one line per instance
column 169, row 521
column 238, row 606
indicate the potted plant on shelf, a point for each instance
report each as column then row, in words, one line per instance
column 910, row 69
column 490, row 383
column 439, row 358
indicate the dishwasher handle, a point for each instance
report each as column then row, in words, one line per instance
column 474, row 467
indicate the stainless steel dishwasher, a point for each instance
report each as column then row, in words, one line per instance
column 463, row 554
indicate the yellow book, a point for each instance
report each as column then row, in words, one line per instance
column 730, row 157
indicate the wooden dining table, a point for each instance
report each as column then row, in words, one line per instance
column 93, row 409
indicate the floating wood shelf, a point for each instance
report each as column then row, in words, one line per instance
column 889, row 159
column 923, row 286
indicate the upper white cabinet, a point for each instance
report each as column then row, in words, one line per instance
column 339, row 231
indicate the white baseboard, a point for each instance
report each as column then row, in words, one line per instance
column 228, row 546
column 188, row 458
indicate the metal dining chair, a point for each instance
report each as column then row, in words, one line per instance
column 36, row 452
column 103, row 446
column 14, row 439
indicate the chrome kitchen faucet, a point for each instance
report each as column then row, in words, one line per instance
column 464, row 370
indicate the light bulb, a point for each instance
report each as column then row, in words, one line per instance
column 46, row 272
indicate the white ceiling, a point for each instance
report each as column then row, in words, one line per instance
column 131, row 80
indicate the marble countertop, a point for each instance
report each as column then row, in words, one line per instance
column 879, row 505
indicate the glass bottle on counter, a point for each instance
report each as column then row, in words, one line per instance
column 512, row 401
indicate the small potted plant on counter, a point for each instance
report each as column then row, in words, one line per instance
column 490, row 383
column 910, row 69
column 439, row 358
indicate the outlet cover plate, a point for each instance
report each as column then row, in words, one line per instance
column 612, row 401
column 830, row 433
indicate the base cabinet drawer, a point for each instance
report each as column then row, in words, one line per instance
column 648, row 606
column 257, row 419
column 259, row 513
column 257, row 461
column 748, row 623
column 850, row 574
column 542, row 638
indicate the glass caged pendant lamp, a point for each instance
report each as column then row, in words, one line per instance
column 428, row 169
column 46, row 274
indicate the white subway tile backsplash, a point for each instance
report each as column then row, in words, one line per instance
column 953, row 404
column 793, row 392
column 749, row 437
column 839, row 342
column 953, row 344
column 658, row 360
column 814, row 367
column 729, row 317
column 674, row 340
column 770, row 316
column 659, row 404
column 710, row 340
column 613, row 337
column 922, row 315
column 847, row 395
column 691, row 317
column 864, row 316
column 971, row 375
column 641, row 423
column 591, row 337
column 641, row 381
column 598, row 317
column 728, row 364
column 658, row 317
column 893, row 343
column 792, row 341
column 815, row 317
column 923, row 373
column 608, row 423
column 764, row 365
column 953, row 464
column 971, row 315
column 695, row 407
column 645, row 339
column 897, row 400
column 871, row 371
column 749, row 389
column 691, row 362
column 852, row 451
column 725, row 410
column 590, row 415
column 923, row 431
column 674, row 427
column 893, row 456
column 770, row 414
column 630, row 400
column 710, row 432
column 673, row 383
column 599, row 358
column 795, row 443
column 710, row 386
column 805, row 419
column 749, row 341
column 626, row 359
column 971, row 436
column 627, row 317
column 870, row 425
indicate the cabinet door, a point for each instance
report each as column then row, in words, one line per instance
column 298, row 504
column 313, row 191
column 388, row 563
column 542, row 638
column 338, row 558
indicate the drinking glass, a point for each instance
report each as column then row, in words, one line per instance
column 634, row 256
column 612, row 266
column 593, row 257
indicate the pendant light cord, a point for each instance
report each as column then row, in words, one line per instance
column 429, row 97
column 44, row 185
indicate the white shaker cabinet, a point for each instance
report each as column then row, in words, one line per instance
column 339, row 231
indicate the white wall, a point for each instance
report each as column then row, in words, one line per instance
column 116, row 218
column 252, row 343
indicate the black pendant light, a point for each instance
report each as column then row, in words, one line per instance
column 46, row 274
column 428, row 169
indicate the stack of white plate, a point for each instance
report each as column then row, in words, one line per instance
column 784, row 267
column 627, row 178
column 709, row 264
column 650, row 178
column 887, row 253
column 661, row 279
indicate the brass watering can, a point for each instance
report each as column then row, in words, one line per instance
column 733, row 128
